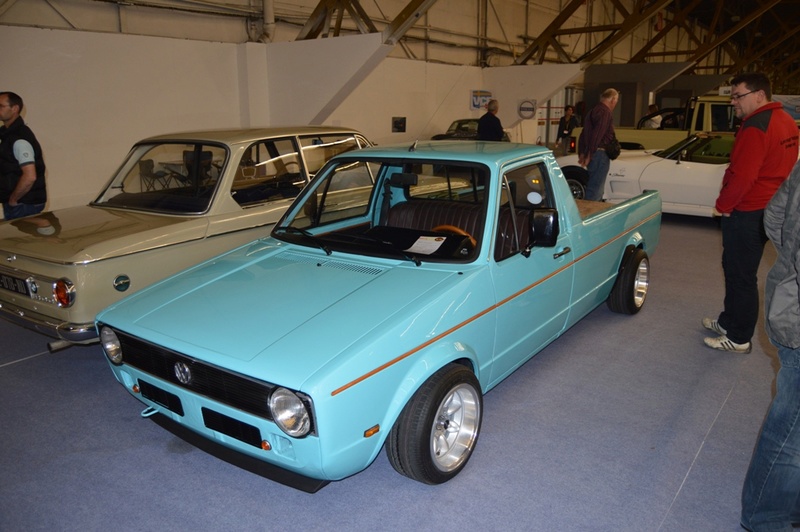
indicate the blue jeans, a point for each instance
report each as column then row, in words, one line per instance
column 743, row 240
column 21, row 209
column 772, row 486
column 598, row 171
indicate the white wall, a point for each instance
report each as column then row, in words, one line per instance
column 90, row 96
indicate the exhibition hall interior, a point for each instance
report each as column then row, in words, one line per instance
column 343, row 264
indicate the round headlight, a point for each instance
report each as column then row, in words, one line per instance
column 111, row 345
column 64, row 292
column 289, row 412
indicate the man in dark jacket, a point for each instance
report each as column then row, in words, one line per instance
column 764, row 152
column 598, row 132
column 489, row 126
column 22, row 185
column 772, row 487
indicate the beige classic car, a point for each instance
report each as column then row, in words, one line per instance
column 177, row 200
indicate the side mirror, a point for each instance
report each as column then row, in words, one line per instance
column 544, row 228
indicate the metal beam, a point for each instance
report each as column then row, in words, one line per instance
column 320, row 21
column 405, row 20
column 678, row 19
column 642, row 13
column 539, row 46
column 707, row 48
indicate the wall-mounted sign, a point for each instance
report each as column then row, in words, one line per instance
column 398, row 124
column 479, row 99
column 527, row 109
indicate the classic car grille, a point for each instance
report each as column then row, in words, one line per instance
column 210, row 381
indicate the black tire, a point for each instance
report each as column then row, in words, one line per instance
column 633, row 281
column 577, row 188
column 438, row 429
column 577, row 178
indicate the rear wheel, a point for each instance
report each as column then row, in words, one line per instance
column 577, row 189
column 632, row 284
column 436, row 433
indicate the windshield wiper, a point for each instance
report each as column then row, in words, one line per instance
column 385, row 244
column 311, row 238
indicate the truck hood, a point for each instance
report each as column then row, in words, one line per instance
column 85, row 234
column 276, row 314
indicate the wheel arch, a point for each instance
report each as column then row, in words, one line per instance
column 422, row 368
column 576, row 172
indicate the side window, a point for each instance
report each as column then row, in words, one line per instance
column 450, row 182
column 723, row 118
column 523, row 190
column 340, row 197
column 712, row 150
column 522, row 181
column 317, row 150
column 698, row 117
column 269, row 170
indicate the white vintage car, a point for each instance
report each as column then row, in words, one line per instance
column 688, row 175
column 177, row 200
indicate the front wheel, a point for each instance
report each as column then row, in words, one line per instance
column 437, row 430
column 633, row 281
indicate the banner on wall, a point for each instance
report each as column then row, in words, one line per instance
column 479, row 99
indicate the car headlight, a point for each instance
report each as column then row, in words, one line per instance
column 290, row 412
column 64, row 292
column 111, row 345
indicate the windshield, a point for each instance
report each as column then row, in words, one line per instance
column 463, row 126
column 401, row 209
column 707, row 149
column 177, row 178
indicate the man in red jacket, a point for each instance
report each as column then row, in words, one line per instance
column 763, row 155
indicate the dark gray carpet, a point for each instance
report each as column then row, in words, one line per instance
column 624, row 424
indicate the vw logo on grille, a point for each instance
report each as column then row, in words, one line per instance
column 183, row 373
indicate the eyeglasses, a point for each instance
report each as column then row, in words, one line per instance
column 737, row 97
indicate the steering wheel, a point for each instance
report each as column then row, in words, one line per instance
column 455, row 230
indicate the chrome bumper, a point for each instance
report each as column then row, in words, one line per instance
column 76, row 333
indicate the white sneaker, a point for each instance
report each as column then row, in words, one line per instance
column 723, row 343
column 713, row 325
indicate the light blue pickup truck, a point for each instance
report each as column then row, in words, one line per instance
column 403, row 284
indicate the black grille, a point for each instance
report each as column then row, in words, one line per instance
column 232, row 427
column 162, row 397
column 207, row 380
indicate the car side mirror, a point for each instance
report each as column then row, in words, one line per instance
column 544, row 228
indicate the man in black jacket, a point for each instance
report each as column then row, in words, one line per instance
column 22, row 185
column 489, row 126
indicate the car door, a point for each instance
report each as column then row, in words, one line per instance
column 692, row 176
column 532, row 292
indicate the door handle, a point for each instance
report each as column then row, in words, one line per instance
column 562, row 252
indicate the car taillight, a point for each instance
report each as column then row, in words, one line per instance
column 64, row 292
